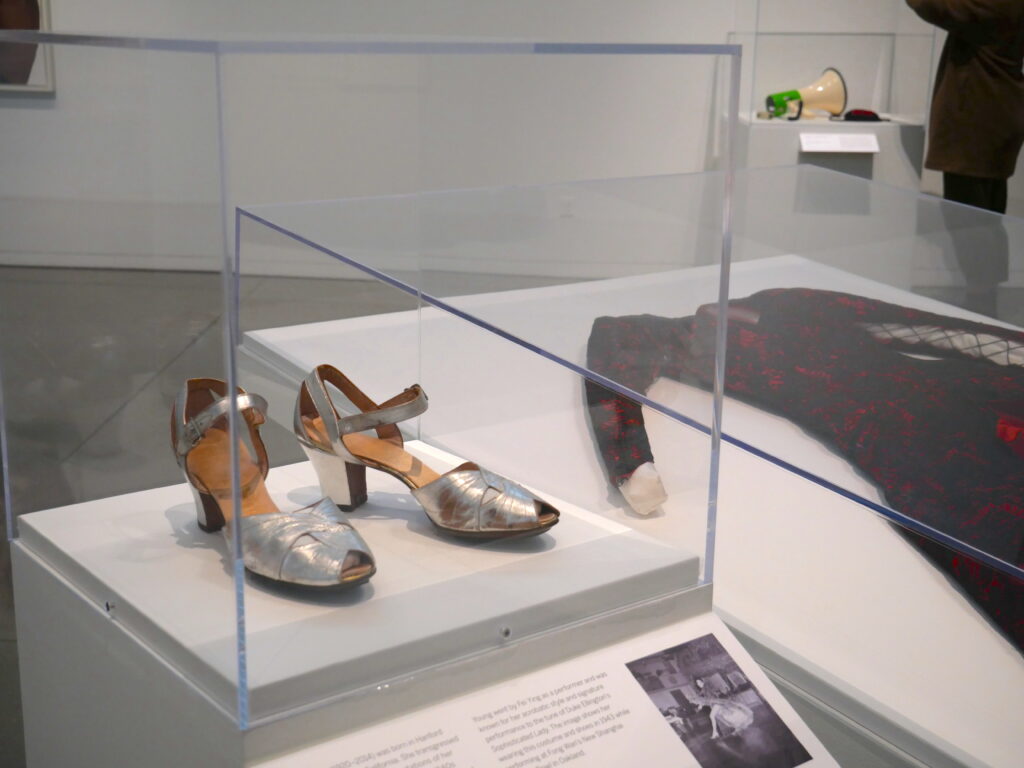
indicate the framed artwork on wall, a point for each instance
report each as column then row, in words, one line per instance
column 26, row 68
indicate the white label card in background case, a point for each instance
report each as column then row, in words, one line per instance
column 839, row 142
column 686, row 696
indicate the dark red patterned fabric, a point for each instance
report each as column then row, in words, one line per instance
column 1010, row 429
column 933, row 427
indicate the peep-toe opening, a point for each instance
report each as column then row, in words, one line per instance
column 313, row 546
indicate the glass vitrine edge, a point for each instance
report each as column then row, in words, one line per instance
column 910, row 193
column 721, row 337
column 131, row 42
column 370, row 46
column 263, row 208
column 10, row 521
column 230, row 276
column 888, row 33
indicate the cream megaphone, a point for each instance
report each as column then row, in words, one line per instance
column 827, row 94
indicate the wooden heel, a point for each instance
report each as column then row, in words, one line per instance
column 208, row 513
column 355, row 474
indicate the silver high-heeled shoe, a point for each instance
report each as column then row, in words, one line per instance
column 468, row 501
column 314, row 546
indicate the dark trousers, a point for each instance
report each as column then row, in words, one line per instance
column 989, row 194
column 982, row 247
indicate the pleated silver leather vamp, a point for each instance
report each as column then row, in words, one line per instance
column 308, row 546
column 471, row 499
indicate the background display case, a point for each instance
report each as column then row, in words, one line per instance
column 113, row 576
column 885, row 54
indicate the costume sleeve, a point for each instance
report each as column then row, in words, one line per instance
column 634, row 351
column 619, row 350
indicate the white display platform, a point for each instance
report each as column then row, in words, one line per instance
column 832, row 598
column 95, row 694
column 432, row 599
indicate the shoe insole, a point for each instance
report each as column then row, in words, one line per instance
column 382, row 453
column 210, row 464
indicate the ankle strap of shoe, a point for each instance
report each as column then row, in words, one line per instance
column 189, row 433
column 405, row 405
column 382, row 418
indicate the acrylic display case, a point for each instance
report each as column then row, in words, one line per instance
column 147, row 173
column 250, row 229
column 850, row 589
column 494, row 295
column 891, row 536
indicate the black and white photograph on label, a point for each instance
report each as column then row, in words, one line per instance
column 713, row 708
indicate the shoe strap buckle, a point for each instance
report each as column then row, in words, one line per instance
column 193, row 432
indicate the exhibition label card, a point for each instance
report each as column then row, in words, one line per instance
column 839, row 142
column 684, row 696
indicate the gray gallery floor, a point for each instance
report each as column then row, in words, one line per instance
column 91, row 360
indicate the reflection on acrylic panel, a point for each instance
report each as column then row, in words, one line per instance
column 714, row 709
column 25, row 68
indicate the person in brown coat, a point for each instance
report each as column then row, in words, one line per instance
column 976, row 126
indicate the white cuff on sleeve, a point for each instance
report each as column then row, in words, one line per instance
column 643, row 490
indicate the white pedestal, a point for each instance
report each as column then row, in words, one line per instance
column 126, row 623
column 96, row 695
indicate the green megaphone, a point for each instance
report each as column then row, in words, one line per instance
column 827, row 93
